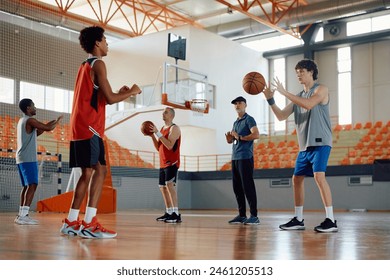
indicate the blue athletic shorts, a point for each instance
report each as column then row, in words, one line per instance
column 86, row 153
column 314, row 159
column 168, row 174
column 28, row 173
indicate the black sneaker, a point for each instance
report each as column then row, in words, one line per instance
column 238, row 220
column 252, row 220
column 173, row 218
column 293, row 224
column 327, row 226
column 163, row 217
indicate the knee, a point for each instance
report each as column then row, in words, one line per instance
column 101, row 169
column 319, row 177
column 86, row 173
column 297, row 181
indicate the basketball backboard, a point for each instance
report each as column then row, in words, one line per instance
column 186, row 89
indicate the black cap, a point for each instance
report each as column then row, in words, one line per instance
column 237, row 99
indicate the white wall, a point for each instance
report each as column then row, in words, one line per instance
column 139, row 60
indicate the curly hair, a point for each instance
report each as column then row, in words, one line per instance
column 89, row 36
column 24, row 103
column 309, row 65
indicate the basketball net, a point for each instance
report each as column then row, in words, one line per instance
column 198, row 107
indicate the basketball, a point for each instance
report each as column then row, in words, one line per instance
column 253, row 83
column 145, row 128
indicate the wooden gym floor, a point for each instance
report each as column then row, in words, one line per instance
column 203, row 235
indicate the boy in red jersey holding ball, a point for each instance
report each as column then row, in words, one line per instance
column 92, row 93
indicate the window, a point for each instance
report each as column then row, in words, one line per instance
column 320, row 35
column 368, row 25
column 33, row 91
column 7, row 90
column 381, row 23
column 280, row 100
column 344, row 85
column 359, row 27
column 273, row 43
column 49, row 98
column 57, row 99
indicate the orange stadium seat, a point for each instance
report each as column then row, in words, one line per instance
column 348, row 127
column 270, row 145
column 372, row 131
column 367, row 125
column 338, row 127
column 378, row 153
column 378, row 124
column 369, row 160
column 378, row 138
column 365, row 153
column 292, row 144
column 372, row 145
column 286, row 157
column 358, row 126
column 260, row 145
column 281, row 144
column 366, row 139
column 358, row 160
column 360, row 145
column 384, row 130
column 352, row 153
column 283, row 151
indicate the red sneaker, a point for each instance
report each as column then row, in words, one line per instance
column 71, row 228
column 95, row 230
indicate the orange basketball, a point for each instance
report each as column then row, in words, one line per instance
column 145, row 128
column 253, row 83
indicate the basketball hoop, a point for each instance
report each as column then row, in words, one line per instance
column 199, row 106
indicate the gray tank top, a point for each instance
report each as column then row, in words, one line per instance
column 27, row 143
column 313, row 126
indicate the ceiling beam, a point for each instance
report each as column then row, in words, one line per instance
column 64, row 13
column 279, row 9
column 146, row 15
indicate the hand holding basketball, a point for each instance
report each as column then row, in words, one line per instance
column 253, row 83
column 229, row 137
column 147, row 128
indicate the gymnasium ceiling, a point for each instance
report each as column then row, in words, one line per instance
column 233, row 19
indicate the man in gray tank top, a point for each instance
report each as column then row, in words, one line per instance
column 28, row 130
column 312, row 122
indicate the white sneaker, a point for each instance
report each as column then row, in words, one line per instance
column 26, row 220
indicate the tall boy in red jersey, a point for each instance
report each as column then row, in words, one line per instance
column 92, row 93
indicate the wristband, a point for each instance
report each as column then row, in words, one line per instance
column 158, row 134
column 271, row 101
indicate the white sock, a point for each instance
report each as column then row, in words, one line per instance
column 73, row 215
column 299, row 213
column 90, row 212
column 24, row 211
column 169, row 210
column 176, row 210
column 20, row 210
column 329, row 213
